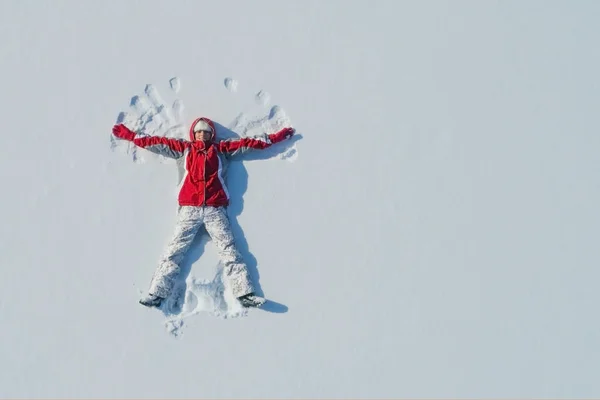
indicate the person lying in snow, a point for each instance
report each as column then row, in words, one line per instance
column 202, row 201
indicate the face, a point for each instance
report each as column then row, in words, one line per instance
column 203, row 135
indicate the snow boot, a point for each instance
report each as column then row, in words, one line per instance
column 251, row 300
column 151, row 301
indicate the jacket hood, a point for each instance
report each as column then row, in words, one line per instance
column 209, row 122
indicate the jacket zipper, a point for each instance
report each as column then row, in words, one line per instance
column 205, row 157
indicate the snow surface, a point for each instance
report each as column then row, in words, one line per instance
column 432, row 233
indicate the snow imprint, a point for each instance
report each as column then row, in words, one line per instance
column 263, row 98
column 275, row 120
column 199, row 296
column 150, row 115
column 175, row 84
column 231, row 84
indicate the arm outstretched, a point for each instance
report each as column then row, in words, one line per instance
column 234, row 147
column 168, row 147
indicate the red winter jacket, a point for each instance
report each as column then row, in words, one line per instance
column 204, row 183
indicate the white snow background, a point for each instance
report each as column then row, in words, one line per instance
column 432, row 233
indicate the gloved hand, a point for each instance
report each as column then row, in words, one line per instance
column 123, row 132
column 283, row 134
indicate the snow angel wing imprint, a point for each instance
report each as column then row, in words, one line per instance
column 149, row 114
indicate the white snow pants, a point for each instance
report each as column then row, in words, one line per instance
column 189, row 221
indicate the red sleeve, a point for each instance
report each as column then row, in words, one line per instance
column 168, row 147
column 240, row 145
column 281, row 135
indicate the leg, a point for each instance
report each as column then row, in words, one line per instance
column 236, row 273
column 189, row 221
